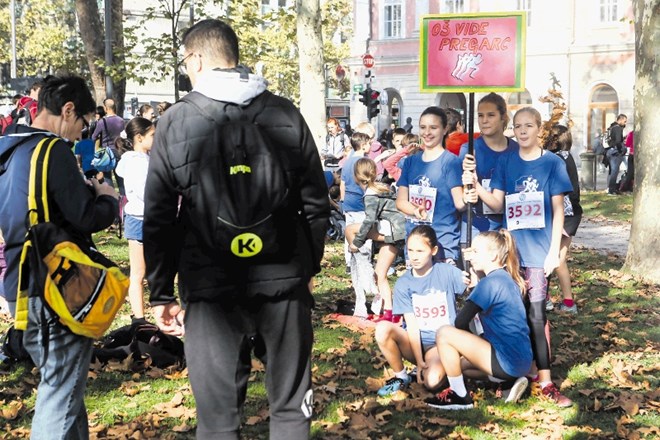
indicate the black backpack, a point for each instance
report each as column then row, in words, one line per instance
column 243, row 199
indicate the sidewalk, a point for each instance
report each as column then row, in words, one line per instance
column 601, row 234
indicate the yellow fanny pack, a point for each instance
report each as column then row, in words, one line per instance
column 77, row 283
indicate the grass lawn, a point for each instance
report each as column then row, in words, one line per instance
column 606, row 359
column 599, row 205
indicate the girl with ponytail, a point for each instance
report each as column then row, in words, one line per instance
column 134, row 151
column 504, row 353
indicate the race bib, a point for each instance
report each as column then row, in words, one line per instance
column 485, row 183
column 431, row 311
column 422, row 196
column 525, row 210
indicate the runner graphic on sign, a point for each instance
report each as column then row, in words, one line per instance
column 467, row 63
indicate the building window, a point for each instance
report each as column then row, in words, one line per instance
column 526, row 5
column 453, row 6
column 421, row 8
column 393, row 19
column 609, row 11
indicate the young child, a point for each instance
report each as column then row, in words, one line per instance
column 352, row 197
column 133, row 168
column 409, row 145
column 382, row 223
column 530, row 183
column 559, row 142
column 425, row 296
column 504, row 353
column 493, row 119
column 430, row 188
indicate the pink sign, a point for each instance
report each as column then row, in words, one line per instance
column 473, row 52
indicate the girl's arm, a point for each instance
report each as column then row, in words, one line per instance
column 415, row 340
column 342, row 190
column 466, row 314
column 495, row 199
column 371, row 211
column 407, row 208
column 461, row 197
column 552, row 259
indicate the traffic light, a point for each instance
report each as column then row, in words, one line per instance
column 365, row 97
column 373, row 108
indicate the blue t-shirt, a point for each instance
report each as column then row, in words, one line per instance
column 85, row 149
column 411, row 295
column 486, row 162
column 443, row 174
column 504, row 320
column 353, row 193
column 546, row 174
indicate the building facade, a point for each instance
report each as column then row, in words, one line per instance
column 587, row 46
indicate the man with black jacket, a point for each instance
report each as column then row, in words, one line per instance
column 81, row 207
column 616, row 152
column 233, row 306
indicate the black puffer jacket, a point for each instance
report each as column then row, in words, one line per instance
column 171, row 242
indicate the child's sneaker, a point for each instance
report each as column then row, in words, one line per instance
column 393, row 385
column 512, row 391
column 549, row 305
column 568, row 309
column 448, row 399
column 551, row 392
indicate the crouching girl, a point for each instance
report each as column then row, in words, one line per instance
column 504, row 353
column 425, row 296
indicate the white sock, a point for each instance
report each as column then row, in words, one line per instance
column 544, row 384
column 402, row 374
column 457, row 385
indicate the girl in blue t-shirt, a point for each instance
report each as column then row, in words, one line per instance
column 505, row 351
column 425, row 296
column 529, row 185
column 493, row 120
column 430, row 188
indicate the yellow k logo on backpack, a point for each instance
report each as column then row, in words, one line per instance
column 80, row 285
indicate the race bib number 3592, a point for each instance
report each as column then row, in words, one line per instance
column 525, row 210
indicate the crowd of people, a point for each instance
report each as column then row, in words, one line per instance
column 525, row 200
column 473, row 307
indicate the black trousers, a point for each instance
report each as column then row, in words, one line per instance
column 220, row 338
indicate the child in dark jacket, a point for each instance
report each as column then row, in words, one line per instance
column 383, row 223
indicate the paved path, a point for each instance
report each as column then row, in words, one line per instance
column 604, row 236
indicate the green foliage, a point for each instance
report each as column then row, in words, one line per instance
column 267, row 39
column 600, row 205
column 47, row 37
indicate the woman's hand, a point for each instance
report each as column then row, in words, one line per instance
column 420, row 212
column 469, row 164
column 352, row 248
column 470, row 178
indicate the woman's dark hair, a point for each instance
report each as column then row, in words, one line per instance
column 500, row 103
column 453, row 119
column 100, row 110
column 136, row 126
column 559, row 139
column 426, row 232
column 58, row 90
column 437, row 111
column 143, row 109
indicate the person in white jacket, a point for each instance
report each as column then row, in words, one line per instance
column 133, row 167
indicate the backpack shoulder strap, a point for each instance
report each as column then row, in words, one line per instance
column 37, row 196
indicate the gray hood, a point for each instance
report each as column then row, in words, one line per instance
column 237, row 85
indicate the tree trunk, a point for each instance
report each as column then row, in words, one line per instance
column 118, row 53
column 312, row 81
column 91, row 32
column 643, row 257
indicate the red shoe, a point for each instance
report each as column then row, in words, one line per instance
column 552, row 393
column 386, row 316
column 396, row 319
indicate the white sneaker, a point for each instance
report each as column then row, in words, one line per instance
column 516, row 391
column 549, row 306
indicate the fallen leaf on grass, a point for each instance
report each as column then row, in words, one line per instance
column 12, row 410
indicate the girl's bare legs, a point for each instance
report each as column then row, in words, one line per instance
column 386, row 257
column 563, row 274
column 135, row 289
column 394, row 344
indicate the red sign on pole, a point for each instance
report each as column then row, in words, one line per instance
column 368, row 60
column 473, row 52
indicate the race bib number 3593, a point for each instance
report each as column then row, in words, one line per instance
column 525, row 210
column 431, row 310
